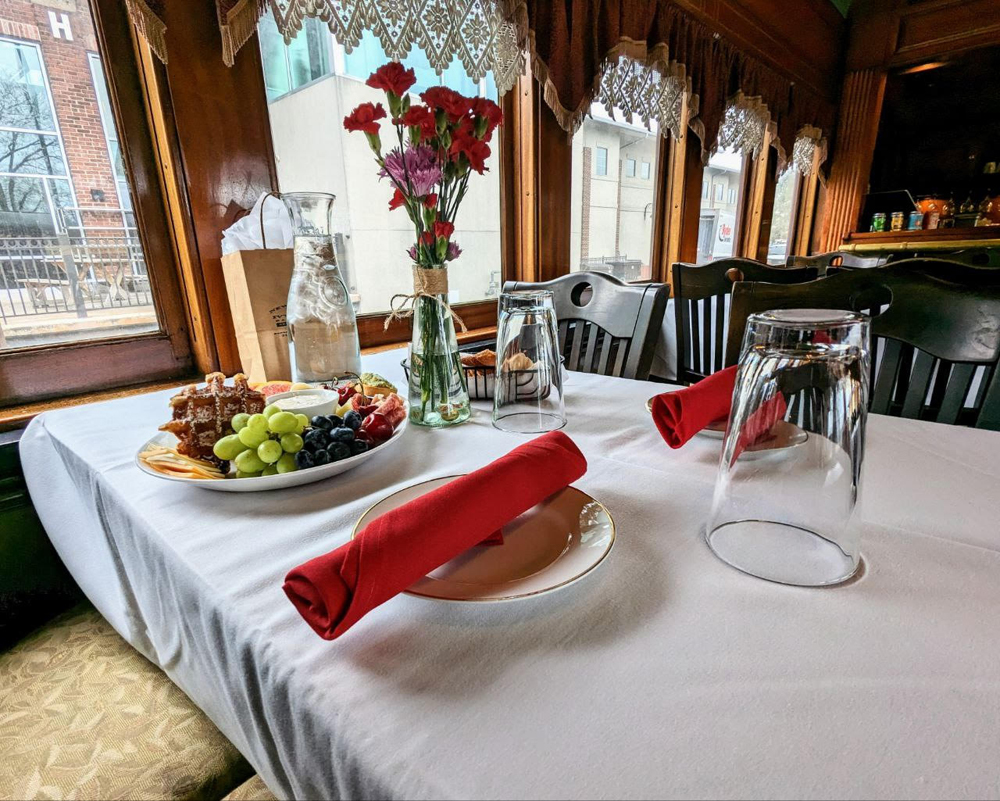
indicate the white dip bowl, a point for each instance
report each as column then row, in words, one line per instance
column 309, row 402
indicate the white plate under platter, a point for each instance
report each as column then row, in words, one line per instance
column 551, row 546
column 263, row 483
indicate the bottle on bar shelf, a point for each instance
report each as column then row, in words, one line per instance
column 896, row 223
column 878, row 222
column 985, row 215
column 948, row 212
column 968, row 205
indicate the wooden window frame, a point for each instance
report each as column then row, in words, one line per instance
column 48, row 371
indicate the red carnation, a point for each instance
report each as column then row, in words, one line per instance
column 431, row 200
column 475, row 150
column 427, row 238
column 423, row 118
column 488, row 116
column 398, row 199
column 448, row 100
column 365, row 118
column 443, row 230
column 392, row 77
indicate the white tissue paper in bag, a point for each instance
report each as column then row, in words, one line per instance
column 253, row 232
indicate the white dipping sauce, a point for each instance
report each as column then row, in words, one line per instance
column 298, row 401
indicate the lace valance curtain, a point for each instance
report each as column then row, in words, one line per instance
column 642, row 58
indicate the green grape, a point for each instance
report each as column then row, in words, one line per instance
column 241, row 474
column 269, row 451
column 252, row 437
column 239, row 421
column 303, row 421
column 249, row 462
column 283, row 423
column 291, row 443
column 257, row 422
column 228, row 447
column 271, row 409
column 286, row 464
column 270, row 470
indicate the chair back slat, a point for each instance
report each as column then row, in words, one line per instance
column 931, row 337
column 957, row 389
column 919, row 385
column 836, row 259
column 720, row 319
column 885, row 380
column 700, row 290
column 597, row 309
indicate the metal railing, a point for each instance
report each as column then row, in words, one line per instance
column 619, row 266
column 72, row 273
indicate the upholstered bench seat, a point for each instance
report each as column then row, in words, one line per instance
column 85, row 716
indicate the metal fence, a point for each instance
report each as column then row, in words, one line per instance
column 72, row 273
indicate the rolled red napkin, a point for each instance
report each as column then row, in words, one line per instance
column 332, row 592
column 681, row 414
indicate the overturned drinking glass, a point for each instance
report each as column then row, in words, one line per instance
column 788, row 493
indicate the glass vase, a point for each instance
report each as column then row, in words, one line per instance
column 438, row 393
column 323, row 344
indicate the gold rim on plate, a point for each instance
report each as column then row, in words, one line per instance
column 503, row 598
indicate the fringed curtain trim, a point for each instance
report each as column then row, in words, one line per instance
column 147, row 16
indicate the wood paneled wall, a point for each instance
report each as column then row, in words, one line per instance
column 224, row 138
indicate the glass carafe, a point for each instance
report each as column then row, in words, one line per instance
column 322, row 327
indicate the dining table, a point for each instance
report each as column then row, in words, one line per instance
column 662, row 673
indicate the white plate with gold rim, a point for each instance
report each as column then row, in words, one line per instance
column 552, row 545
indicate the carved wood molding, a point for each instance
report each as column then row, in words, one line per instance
column 861, row 107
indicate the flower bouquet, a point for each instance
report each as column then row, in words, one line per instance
column 437, row 146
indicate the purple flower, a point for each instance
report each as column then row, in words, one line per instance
column 412, row 253
column 420, row 163
column 454, row 251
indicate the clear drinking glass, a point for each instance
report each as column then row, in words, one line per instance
column 521, row 298
column 322, row 327
column 788, row 494
column 528, row 396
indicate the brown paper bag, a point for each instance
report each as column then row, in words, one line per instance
column 257, row 284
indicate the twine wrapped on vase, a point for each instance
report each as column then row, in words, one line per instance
column 427, row 283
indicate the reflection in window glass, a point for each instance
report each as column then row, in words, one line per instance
column 313, row 153
column 24, row 101
column 783, row 216
column 612, row 210
column 717, row 226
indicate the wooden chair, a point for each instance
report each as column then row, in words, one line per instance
column 974, row 257
column 836, row 258
column 605, row 325
column 933, row 341
column 700, row 293
column 951, row 270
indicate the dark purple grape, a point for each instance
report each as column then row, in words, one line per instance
column 358, row 446
column 317, row 438
column 321, row 458
column 321, row 422
column 336, row 421
column 304, row 459
column 338, row 451
column 342, row 434
column 353, row 420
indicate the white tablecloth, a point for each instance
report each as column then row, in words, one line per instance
column 664, row 673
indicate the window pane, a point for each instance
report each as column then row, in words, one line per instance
column 71, row 265
column 717, row 228
column 30, row 153
column 24, row 102
column 602, row 161
column 612, row 207
column 314, row 153
column 782, row 216
column 274, row 58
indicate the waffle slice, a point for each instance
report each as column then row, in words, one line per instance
column 202, row 415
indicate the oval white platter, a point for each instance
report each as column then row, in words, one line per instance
column 263, row 483
column 552, row 545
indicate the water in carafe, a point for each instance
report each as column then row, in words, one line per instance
column 322, row 326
